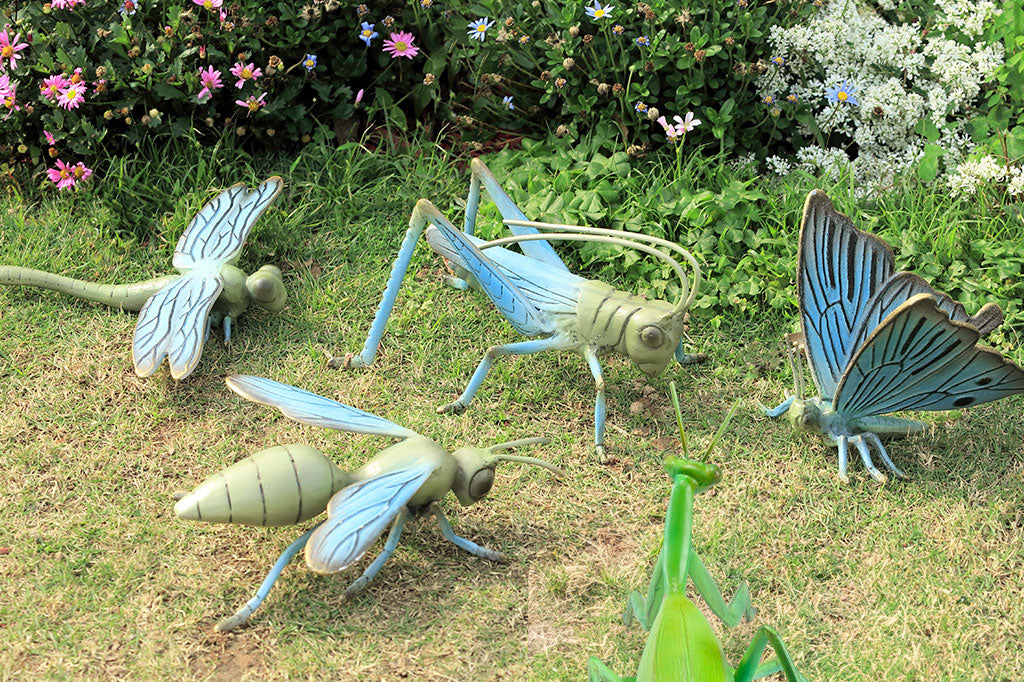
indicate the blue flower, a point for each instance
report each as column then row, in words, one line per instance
column 597, row 12
column 309, row 61
column 640, row 108
column 507, row 101
column 643, row 41
column 478, row 29
column 842, row 93
column 768, row 99
column 368, row 34
column 778, row 60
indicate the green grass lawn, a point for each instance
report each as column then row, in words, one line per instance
column 915, row 580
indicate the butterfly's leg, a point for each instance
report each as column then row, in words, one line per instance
column 738, row 607
column 599, row 672
column 877, row 442
column 779, row 410
column 748, row 669
column 389, row 548
column 865, row 456
column 471, row 547
column 842, row 442
column 600, row 405
column 521, row 348
column 684, row 358
column 242, row 615
column 227, row 329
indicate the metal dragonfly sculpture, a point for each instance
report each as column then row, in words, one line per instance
column 681, row 646
column 538, row 295
column 289, row 484
column 177, row 311
column 880, row 341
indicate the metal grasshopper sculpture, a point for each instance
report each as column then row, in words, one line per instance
column 289, row 484
column 538, row 295
column 176, row 311
column 880, row 341
column 681, row 646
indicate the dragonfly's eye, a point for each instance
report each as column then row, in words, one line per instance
column 481, row 483
column 652, row 336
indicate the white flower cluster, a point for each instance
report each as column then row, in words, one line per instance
column 987, row 170
column 899, row 75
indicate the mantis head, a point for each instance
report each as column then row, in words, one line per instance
column 266, row 287
column 652, row 335
column 703, row 475
column 475, row 474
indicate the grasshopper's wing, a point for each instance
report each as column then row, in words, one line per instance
column 919, row 359
column 217, row 233
column 310, row 408
column 172, row 324
column 358, row 514
column 839, row 269
column 521, row 313
column 903, row 286
column 538, row 250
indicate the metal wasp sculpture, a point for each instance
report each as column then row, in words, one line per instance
column 289, row 484
column 681, row 646
column 176, row 311
column 879, row 341
column 538, row 295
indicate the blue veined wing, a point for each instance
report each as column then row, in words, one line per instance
column 310, row 408
column 358, row 514
column 920, row 359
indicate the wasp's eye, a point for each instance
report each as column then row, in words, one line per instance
column 481, row 483
column 652, row 336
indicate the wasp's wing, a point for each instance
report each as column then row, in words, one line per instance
column 172, row 324
column 839, row 269
column 359, row 513
column 310, row 408
column 553, row 291
column 538, row 250
column 919, row 359
column 521, row 313
column 217, row 233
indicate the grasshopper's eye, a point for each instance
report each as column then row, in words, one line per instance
column 481, row 483
column 652, row 336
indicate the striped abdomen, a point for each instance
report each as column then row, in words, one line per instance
column 124, row 296
column 278, row 486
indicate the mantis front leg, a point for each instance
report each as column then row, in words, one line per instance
column 748, row 669
column 599, row 672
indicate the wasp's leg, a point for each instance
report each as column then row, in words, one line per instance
column 521, row 348
column 844, row 458
column 389, row 548
column 599, row 672
column 600, row 406
column 780, row 409
column 227, row 329
column 738, row 607
column 873, row 439
column 748, row 669
column 471, row 547
column 865, row 456
column 645, row 610
column 684, row 358
column 242, row 615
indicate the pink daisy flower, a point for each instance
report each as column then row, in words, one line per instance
column 62, row 175
column 245, row 72
column 9, row 49
column 52, row 86
column 66, row 4
column 50, row 140
column 71, row 96
column 8, row 95
column 209, row 4
column 252, row 103
column 400, row 45
column 80, row 172
column 210, row 78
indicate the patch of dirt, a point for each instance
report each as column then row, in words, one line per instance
column 230, row 657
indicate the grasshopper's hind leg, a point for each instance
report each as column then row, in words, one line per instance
column 389, row 548
column 241, row 616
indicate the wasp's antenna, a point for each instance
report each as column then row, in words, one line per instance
column 528, row 460
column 522, row 442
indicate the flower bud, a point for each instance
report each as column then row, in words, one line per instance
column 653, row 114
column 240, row 130
column 22, row 149
column 603, row 88
column 574, row 31
column 108, row 114
column 561, row 130
column 429, row 79
column 568, row 62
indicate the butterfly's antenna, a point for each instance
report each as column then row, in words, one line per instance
column 679, row 417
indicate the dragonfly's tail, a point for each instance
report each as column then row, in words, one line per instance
column 125, row 296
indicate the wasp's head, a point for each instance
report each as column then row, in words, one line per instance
column 266, row 287
column 651, row 338
column 475, row 474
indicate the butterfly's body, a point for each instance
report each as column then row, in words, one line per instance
column 176, row 311
column 289, row 484
column 880, row 341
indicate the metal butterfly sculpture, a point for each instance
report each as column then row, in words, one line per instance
column 538, row 295
column 881, row 341
column 176, row 311
column 289, row 484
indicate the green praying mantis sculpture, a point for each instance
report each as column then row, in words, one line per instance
column 681, row 646
column 176, row 311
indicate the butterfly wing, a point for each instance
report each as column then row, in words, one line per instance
column 358, row 514
column 839, row 269
column 172, row 324
column 217, row 233
column 310, row 408
column 919, row 359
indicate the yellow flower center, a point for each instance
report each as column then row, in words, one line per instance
column 253, row 105
column 64, row 175
column 841, row 96
column 367, row 33
column 400, row 46
column 598, row 13
column 8, row 51
column 246, row 73
column 207, row 4
column 482, row 28
column 309, row 63
column 76, row 78
column 71, row 94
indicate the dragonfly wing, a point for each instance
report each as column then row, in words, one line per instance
column 217, row 233
column 839, row 269
column 310, row 408
column 172, row 324
column 551, row 290
column 514, row 306
column 358, row 514
column 919, row 359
